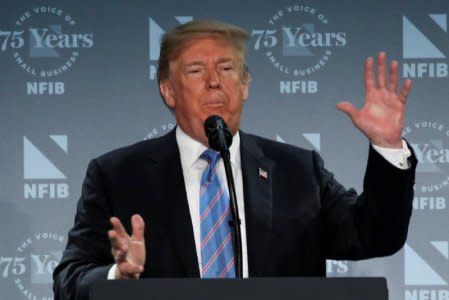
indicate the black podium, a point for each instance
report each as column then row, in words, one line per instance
column 243, row 289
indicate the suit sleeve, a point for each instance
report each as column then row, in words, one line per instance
column 87, row 257
column 375, row 223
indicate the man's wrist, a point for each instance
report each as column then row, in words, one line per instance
column 397, row 157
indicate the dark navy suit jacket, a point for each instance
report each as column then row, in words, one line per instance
column 296, row 218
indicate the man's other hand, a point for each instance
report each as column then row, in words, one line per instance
column 128, row 251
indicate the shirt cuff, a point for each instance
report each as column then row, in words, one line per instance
column 396, row 157
column 111, row 273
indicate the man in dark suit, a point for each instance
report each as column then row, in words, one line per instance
column 294, row 213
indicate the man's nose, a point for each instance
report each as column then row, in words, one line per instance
column 213, row 80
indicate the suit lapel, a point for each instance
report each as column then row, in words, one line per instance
column 176, row 206
column 258, row 203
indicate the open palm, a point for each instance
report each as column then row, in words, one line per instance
column 381, row 118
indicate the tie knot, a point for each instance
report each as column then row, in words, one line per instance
column 211, row 157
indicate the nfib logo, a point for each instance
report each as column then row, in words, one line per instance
column 424, row 40
column 43, row 179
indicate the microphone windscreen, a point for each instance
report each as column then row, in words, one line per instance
column 218, row 134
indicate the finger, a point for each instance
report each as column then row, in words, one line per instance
column 381, row 72
column 369, row 76
column 117, row 243
column 403, row 95
column 393, row 86
column 138, row 226
column 348, row 109
column 130, row 269
column 118, row 227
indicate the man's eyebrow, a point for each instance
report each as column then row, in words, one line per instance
column 224, row 59
column 202, row 63
column 194, row 63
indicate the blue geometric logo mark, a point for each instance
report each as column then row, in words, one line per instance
column 43, row 50
column 313, row 138
column 37, row 165
column 156, row 32
column 418, row 271
column 442, row 247
column 415, row 44
column 291, row 37
column 441, row 20
column 41, row 266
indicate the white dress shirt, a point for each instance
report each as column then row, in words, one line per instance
column 192, row 168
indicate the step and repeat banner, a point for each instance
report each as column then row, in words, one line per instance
column 78, row 78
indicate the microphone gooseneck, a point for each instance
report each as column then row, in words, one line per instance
column 220, row 139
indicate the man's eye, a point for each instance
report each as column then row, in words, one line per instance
column 193, row 71
column 227, row 68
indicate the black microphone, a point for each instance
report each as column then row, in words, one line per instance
column 218, row 134
column 220, row 139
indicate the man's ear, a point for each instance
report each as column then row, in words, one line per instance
column 245, row 79
column 167, row 92
column 244, row 89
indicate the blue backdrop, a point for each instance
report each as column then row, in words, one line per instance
column 78, row 79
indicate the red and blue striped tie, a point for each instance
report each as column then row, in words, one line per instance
column 217, row 251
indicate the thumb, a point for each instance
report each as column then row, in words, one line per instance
column 138, row 227
column 348, row 108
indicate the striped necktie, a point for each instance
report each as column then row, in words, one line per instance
column 217, row 251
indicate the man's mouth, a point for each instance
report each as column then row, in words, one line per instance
column 214, row 103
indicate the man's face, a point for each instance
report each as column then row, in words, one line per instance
column 206, row 79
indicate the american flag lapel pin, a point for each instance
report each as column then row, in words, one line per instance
column 263, row 174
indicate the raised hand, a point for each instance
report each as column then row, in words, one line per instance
column 382, row 116
column 128, row 251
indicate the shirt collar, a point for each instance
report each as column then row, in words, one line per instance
column 190, row 149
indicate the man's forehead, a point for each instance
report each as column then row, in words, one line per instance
column 226, row 50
